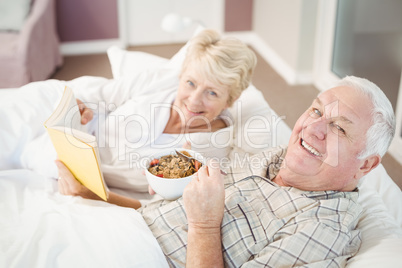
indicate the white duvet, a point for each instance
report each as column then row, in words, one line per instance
column 41, row 228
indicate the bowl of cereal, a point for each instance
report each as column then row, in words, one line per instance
column 168, row 173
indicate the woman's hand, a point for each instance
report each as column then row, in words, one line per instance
column 86, row 113
column 68, row 184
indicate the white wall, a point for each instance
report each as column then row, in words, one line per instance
column 284, row 30
column 288, row 29
column 143, row 19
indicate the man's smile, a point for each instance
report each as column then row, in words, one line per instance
column 309, row 148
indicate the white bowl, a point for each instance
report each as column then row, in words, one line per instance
column 170, row 189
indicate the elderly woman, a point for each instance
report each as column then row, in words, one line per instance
column 149, row 118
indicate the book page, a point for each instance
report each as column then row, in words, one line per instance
column 67, row 113
column 78, row 134
column 73, row 116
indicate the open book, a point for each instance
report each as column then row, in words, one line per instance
column 77, row 149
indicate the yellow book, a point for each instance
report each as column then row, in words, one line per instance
column 77, row 149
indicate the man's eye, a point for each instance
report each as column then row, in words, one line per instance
column 315, row 113
column 337, row 129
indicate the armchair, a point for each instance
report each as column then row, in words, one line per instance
column 32, row 54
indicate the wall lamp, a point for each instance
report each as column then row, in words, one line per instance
column 174, row 23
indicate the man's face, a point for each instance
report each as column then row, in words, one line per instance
column 326, row 140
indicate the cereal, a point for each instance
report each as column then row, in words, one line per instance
column 173, row 167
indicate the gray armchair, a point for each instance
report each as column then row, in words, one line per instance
column 33, row 53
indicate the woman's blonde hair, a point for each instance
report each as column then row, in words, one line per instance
column 226, row 62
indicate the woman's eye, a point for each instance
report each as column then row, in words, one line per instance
column 315, row 113
column 212, row 93
column 190, row 83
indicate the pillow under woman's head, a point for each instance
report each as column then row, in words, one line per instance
column 124, row 62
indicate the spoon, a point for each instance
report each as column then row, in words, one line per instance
column 189, row 158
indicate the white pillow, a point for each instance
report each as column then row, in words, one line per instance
column 257, row 126
column 380, row 223
column 13, row 14
column 125, row 62
column 379, row 183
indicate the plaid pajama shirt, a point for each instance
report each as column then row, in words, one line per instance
column 265, row 224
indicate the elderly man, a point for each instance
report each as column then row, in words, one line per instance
column 299, row 207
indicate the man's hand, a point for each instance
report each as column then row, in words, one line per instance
column 204, row 201
column 204, row 198
column 86, row 113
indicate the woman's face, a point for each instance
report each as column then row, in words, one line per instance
column 198, row 100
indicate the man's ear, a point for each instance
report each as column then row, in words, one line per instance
column 369, row 164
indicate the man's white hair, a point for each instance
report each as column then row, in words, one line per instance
column 379, row 136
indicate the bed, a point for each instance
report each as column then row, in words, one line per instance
column 41, row 228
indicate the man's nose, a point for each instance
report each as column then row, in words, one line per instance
column 318, row 128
